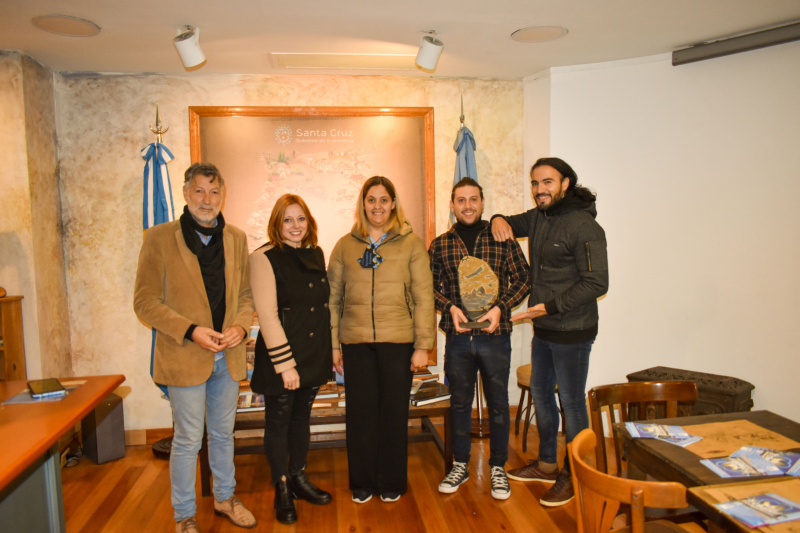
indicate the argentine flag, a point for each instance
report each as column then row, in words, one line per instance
column 157, row 206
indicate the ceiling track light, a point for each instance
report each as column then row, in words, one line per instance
column 187, row 43
column 429, row 51
column 735, row 45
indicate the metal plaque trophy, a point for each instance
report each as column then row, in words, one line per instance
column 479, row 288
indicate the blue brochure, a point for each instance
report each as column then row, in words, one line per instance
column 672, row 434
column 761, row 510
column 740, row 467
column 788, row 462
column 642, row 430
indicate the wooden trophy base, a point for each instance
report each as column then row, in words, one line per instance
column 475, row 325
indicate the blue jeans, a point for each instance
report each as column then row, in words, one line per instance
column 215, row 400
column 465, row 354
column 567, row 365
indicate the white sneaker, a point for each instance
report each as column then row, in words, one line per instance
column 500, row 487
column 458, row 475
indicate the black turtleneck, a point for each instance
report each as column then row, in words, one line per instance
column 469, row 234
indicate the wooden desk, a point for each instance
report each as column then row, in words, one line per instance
column 324, row 416
column 667, row 462
column 30, row 470
column 704, row 498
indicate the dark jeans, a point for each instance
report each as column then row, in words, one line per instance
column 567, row 365
column 464, row 355
column 377, row 379
column 287, row 431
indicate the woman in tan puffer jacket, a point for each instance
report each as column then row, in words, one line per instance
column 382, row 317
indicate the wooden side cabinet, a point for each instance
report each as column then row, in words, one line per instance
column 12, row 351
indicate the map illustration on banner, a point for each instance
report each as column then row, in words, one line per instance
column 323, row 160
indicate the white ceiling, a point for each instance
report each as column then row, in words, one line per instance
column 238, row 35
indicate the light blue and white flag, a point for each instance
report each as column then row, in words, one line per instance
column 157, row 206
column 465, row 160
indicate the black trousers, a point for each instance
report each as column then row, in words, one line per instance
column 378, row 382
column 287, row 431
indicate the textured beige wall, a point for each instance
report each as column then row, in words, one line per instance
column 16, row 237
column 103, row 124
column 19, row 232
column 45, row 205
column 31, row 244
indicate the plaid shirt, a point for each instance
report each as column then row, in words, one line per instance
column 506, row 260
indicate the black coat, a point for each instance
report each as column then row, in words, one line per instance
column 303, row 293
column 568, row 265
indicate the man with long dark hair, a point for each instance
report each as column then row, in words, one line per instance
column 568, row 273
column 193, row 287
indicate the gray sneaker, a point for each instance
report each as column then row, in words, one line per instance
column 501, row 490
column 458, row 475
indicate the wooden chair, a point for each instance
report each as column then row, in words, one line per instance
column 598, row 495
column 636, row 401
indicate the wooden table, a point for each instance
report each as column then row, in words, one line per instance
column 336, row 415
column 667, row 462
column 704, row 498
column 30, row 470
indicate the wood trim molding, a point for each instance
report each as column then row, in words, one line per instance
column 195, row 112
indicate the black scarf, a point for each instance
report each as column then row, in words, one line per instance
column 211, row 257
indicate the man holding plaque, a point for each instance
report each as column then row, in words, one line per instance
column 477, row 280
column 569, row 272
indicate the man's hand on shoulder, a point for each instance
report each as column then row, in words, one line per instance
column 232, row 337
column 458, row 318
column 533, row 312
column 501, row 230
column 493, row 316
column 207, row 339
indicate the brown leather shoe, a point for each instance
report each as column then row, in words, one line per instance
column 531, row 472
column 236, row 512
column 187, row 525
column 560, row 493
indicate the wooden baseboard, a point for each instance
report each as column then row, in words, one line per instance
column 142, row 437
column 135, row 437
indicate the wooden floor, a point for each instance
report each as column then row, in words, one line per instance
column 133, row 494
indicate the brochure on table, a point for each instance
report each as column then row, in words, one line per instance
column 761, row 510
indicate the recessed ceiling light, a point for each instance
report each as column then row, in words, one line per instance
column 66, row 25
column 539, row 34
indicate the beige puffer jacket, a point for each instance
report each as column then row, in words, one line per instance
column 391, row 303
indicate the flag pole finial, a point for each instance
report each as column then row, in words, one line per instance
column 158, row 130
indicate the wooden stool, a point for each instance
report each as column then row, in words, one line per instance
column 524, row 383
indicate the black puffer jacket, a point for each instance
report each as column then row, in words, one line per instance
column 568, row 266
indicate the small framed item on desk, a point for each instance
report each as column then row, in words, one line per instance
column 46, row 388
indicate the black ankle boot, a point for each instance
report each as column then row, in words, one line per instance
column 284, row 504
column 305, row 490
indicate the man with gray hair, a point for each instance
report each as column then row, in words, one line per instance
column 193, row 287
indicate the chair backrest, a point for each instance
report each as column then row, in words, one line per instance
column 598, row 495
column 635, row 401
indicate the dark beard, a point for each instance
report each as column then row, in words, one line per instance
column 553, row 201
column 545, row 207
